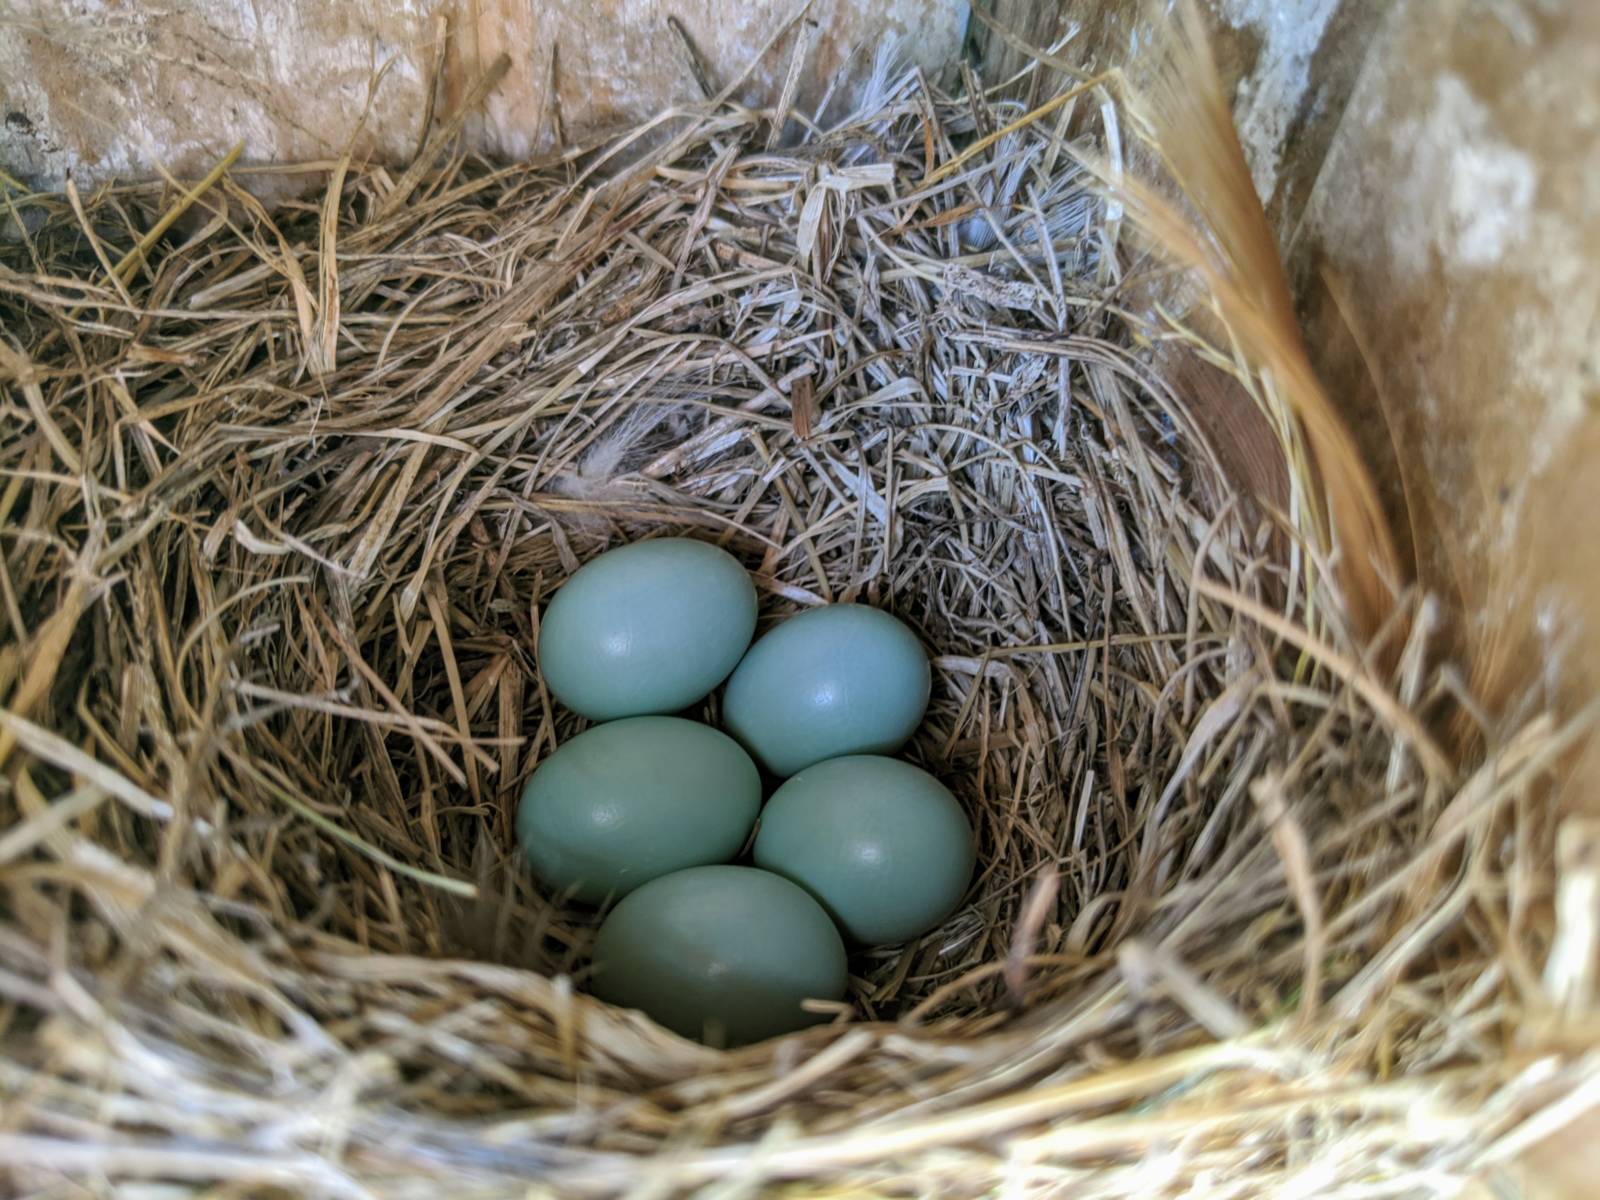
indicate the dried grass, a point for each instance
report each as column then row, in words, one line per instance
column 281, row 502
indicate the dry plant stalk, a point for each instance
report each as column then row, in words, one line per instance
column 271, row 582
column 1231, row 249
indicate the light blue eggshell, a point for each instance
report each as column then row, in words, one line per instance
column 723, row 954
column 840, row 679
column 650, row 627
column 881, row 844
column 631, row 800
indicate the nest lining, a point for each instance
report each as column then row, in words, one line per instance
column 282, row 505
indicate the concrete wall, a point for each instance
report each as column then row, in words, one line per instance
column 106, row 87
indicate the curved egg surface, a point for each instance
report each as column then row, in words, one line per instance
column 625, row 802
column 881, row 844
column 650, row 627
column 723, row 954
column 840, row 679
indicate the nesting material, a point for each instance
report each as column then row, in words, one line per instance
column 281, row 505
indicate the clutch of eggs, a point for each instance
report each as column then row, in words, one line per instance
column 646, row 808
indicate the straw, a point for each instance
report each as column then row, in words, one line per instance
column 272, row 554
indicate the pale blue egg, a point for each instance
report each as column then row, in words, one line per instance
column 651, row 627
column 881, row 844
column 724, row 954
column 840, row 679
column 631, row 800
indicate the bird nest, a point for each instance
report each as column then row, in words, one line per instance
column 283, row 496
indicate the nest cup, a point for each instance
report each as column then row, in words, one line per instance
column 284, row 510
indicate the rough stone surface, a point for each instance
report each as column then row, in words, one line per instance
column 1458, row 216
column 120, row 87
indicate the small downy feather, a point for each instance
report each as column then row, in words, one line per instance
column 1232, row 250
column 607, row 470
